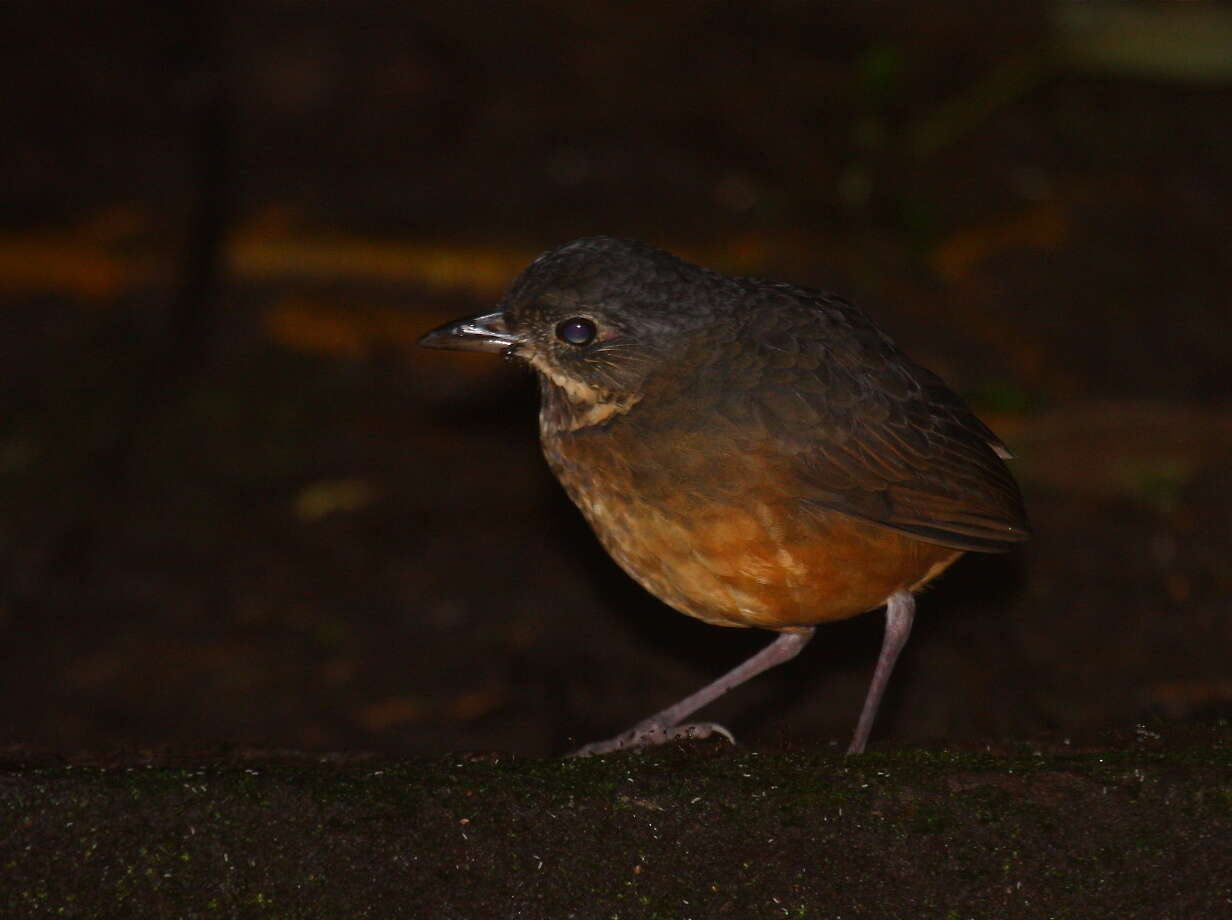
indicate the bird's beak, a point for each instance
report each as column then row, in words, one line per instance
column 488, row 332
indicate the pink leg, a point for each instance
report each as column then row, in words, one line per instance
column 665, row 726
column 900, row 611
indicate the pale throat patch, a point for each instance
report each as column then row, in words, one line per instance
column 592, row 405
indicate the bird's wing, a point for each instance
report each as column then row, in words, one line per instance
column 854, row 426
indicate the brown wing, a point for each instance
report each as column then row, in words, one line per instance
column 856, row 427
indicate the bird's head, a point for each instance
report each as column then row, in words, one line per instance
column 594, row 318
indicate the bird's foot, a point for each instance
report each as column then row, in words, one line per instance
column 651, row 733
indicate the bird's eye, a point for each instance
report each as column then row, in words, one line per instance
column 577, row 330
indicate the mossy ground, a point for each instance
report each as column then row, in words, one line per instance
column 703, row 830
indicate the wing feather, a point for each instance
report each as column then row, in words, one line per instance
column 867, row 432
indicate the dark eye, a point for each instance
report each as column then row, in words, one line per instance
column 576, row 331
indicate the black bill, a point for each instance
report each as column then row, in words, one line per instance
column 487, row 332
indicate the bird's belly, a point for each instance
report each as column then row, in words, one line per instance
column 768, row 564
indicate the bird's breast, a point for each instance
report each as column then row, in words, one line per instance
column 715, row 536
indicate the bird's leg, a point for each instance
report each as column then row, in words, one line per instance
column 665, row 726
column 900, row 611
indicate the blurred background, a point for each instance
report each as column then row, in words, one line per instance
column 238, row 507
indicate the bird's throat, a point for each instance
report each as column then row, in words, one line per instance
column 569, row 405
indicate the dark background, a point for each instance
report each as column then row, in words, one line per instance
column 237, row 506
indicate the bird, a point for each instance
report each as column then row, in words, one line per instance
column 754, row 453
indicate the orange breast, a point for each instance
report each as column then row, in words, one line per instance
column 755, row 559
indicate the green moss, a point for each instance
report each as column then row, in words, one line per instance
column 609, row 836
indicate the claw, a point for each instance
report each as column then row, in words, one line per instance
column 651, row 734
column 695, row 731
